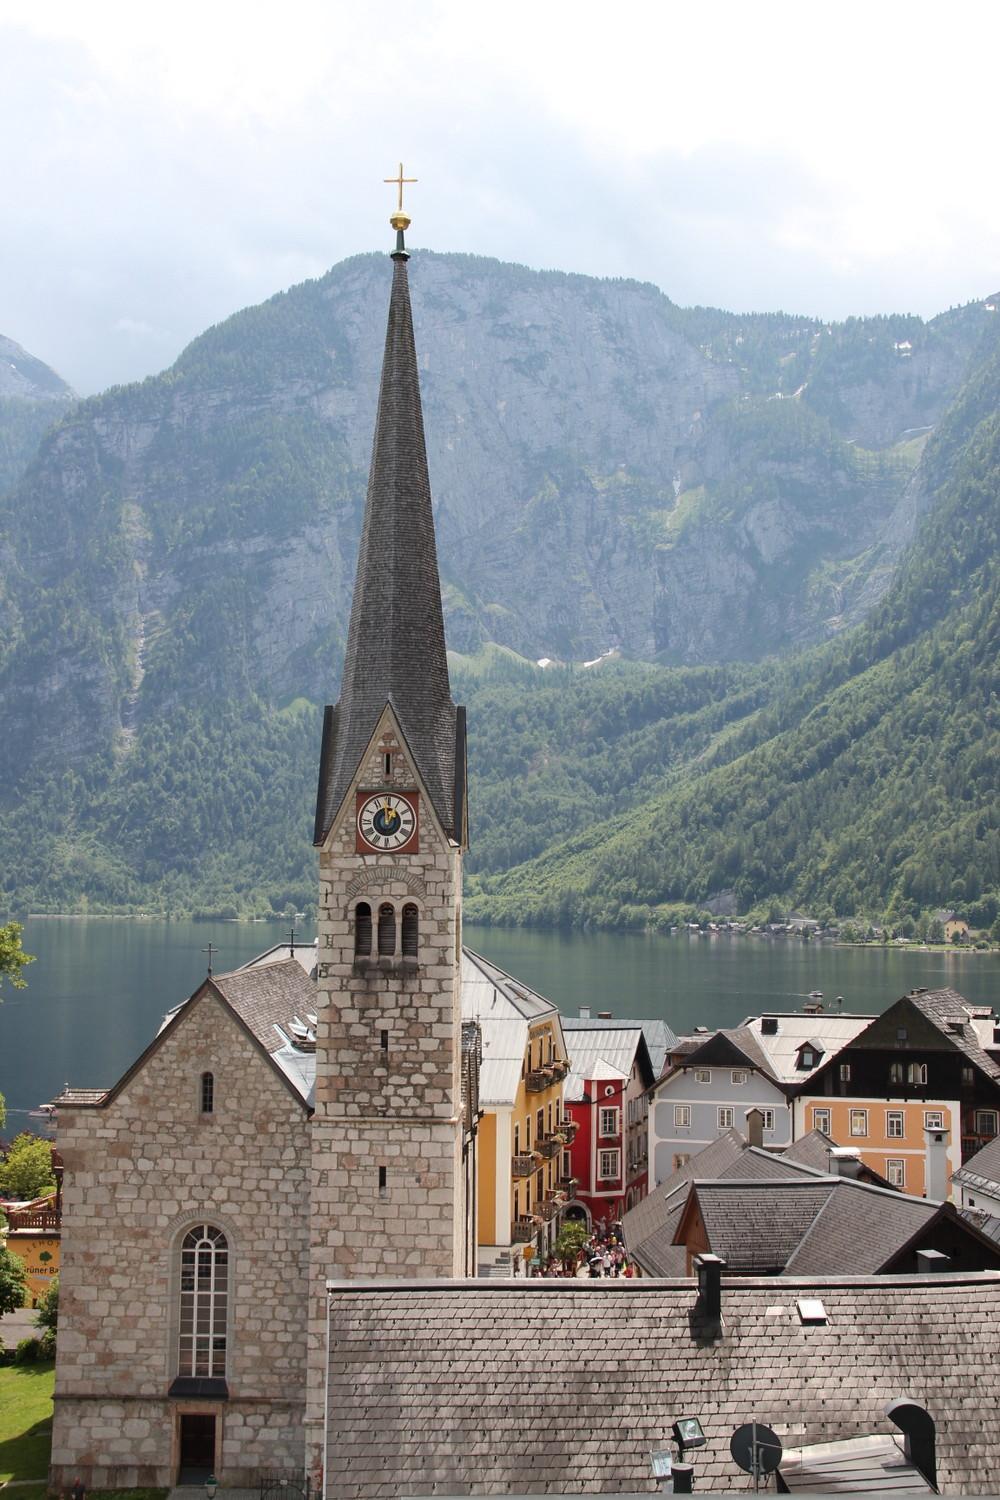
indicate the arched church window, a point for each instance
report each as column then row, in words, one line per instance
column 362, row 930
column 411, row 930
column 207, row 1093
column 204, row 1303
column 386, row 930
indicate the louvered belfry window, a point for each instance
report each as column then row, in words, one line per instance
column 204, row 1303
column 362, row 929
column 386, row 930
column 411, row 931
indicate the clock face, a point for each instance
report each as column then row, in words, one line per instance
column 386, row 821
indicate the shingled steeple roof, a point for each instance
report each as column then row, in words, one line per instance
column 396, row 645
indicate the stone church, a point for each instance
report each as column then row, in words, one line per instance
column 311, row 1115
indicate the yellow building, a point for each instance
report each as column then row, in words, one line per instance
column 523, row 1135
column 33, row 1236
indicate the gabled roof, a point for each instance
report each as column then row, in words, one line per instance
column 506, row 1011
column 727, row 1048
column 605, row 1053
column 658, row 1036
column 815, row 1150
column 246, row 1007
column 859, row 1229
column 754, row 1225
column 554, row 1387
column 395, row 645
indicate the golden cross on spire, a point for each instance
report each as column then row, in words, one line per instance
column 399, row 183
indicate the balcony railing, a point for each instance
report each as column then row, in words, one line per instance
column 523, row 1231
column 568, row 1128
column 543, row 1208
column 569, row 1185
column 37, row 1218
column 523, row 1166
column 540, row 1079
column 550, row 1145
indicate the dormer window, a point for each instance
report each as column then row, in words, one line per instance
column 809, row 1056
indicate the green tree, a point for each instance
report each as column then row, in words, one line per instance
column 47, row 1312
column 12, row 1282
column 26, row 1171
column 12, row 956
column 572, row 1238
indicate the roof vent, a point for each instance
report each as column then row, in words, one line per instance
column 811, row 1310
column 584, row 1012
column 932, row 1262
column 604, row 1015
column 769, row 1025
column 956, row 1027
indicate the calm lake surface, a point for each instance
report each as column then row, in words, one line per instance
column 100, row 987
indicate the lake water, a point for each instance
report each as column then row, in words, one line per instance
column 100, row 987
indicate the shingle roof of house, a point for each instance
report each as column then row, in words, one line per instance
column 527, row 1387
column 983, row 1169
column 946, row 1007
column 859, row 1228
column 756, row 1226
column 651, row 1216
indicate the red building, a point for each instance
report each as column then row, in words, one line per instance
column 610, row 1071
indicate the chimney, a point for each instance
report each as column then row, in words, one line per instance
column 936, row 1173
column 845, row 1161
column 584, row 1012
column 755, row 1126
column 932, row 1262
column 709, row 1269
column 917, row 1425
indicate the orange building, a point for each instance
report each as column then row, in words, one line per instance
column 896, row 1137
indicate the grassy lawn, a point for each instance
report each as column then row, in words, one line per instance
column 25, row 1421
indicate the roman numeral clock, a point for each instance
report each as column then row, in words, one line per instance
column 387, row 822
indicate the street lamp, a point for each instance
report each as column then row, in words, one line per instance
column 211, row 1485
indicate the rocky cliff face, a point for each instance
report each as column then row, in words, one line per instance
column 609, row 471
column 32, row 396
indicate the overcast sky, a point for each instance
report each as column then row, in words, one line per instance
column 164, row 165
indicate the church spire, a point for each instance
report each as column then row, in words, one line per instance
column 396, row 644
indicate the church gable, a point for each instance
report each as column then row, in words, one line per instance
column 387, row 765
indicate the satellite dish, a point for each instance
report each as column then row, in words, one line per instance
column 752, row 1440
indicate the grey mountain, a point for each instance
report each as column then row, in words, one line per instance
column 608, row 470
column 32, row 396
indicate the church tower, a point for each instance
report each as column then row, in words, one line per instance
column 387, row 1175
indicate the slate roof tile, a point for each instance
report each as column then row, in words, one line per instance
column 934, row 1339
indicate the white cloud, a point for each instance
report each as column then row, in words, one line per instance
column 180, row 164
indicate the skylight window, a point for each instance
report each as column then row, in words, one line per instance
column 811, row 1310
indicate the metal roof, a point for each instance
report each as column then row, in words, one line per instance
column 830, row 1032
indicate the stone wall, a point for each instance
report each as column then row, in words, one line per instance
column 139, row 1172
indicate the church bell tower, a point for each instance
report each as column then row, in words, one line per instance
column 387, row 1177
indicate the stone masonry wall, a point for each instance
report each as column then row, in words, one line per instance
column 139, row 1173
column 396, row 1108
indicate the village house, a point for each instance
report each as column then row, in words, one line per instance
column 916, row 1087
column 710, row 1085
column 606, row 1097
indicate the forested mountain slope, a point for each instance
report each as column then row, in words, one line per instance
column 866, row 782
